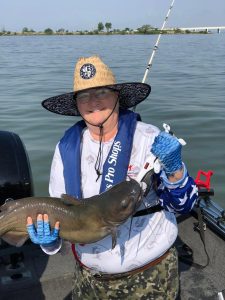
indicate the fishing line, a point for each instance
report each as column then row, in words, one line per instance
column 157, row 43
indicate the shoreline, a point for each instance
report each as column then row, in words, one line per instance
column 100, row 33
column 104, row 30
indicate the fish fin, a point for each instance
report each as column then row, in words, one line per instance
column 15, row 238
column 114, row 237
column 9, row 200
column 69, row 200
column 8, row 205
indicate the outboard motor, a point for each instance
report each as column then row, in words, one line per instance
column 15, row 172
column 15, row 183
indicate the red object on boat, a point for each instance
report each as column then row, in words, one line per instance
column 203, row 183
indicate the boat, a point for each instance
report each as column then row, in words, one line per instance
column 28, row 273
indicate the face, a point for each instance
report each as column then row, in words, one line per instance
column 95, row 105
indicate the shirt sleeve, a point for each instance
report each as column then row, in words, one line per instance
column 56, row 182
column 53, row 249
column 179, row 196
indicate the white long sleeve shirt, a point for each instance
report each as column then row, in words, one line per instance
column 147, row 238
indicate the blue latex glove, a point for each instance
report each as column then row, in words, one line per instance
column 43, row 234
column 167, row 149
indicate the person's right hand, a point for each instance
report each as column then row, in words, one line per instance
column 43, row 234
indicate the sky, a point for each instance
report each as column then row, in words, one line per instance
column 75, row 15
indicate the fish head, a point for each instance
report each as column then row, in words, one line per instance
column 124, row 200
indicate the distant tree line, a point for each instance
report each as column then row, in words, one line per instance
column 101, row 29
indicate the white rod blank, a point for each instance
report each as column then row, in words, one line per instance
column 156, row 44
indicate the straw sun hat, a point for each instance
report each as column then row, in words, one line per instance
column 89, row 73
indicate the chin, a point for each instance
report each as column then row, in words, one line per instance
column 96, row 122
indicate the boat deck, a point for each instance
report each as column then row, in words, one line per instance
column 199, row 283
column 36, row 275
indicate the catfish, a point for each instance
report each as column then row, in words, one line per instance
column 81, row 220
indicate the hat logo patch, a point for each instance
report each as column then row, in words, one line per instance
column 87, row 71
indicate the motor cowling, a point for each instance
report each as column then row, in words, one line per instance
column 15, row 172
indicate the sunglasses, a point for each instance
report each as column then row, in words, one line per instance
column 99, row 94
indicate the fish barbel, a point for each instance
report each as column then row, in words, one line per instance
column 81, row 221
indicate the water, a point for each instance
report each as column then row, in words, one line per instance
column 188, row 88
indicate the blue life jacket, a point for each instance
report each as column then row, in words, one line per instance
column 116, row 164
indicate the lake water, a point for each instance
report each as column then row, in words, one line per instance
column 188, row 92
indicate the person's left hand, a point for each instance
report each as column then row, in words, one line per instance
column 167, row 149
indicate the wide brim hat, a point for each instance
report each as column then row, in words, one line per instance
column 91, row 73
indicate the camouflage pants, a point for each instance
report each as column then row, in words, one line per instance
column 159, row 282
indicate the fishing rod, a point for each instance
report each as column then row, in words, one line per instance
column 157, row 42
column 150, row 164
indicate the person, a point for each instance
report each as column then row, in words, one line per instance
column 99, row 151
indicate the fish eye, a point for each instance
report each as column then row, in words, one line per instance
column 124, row 203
